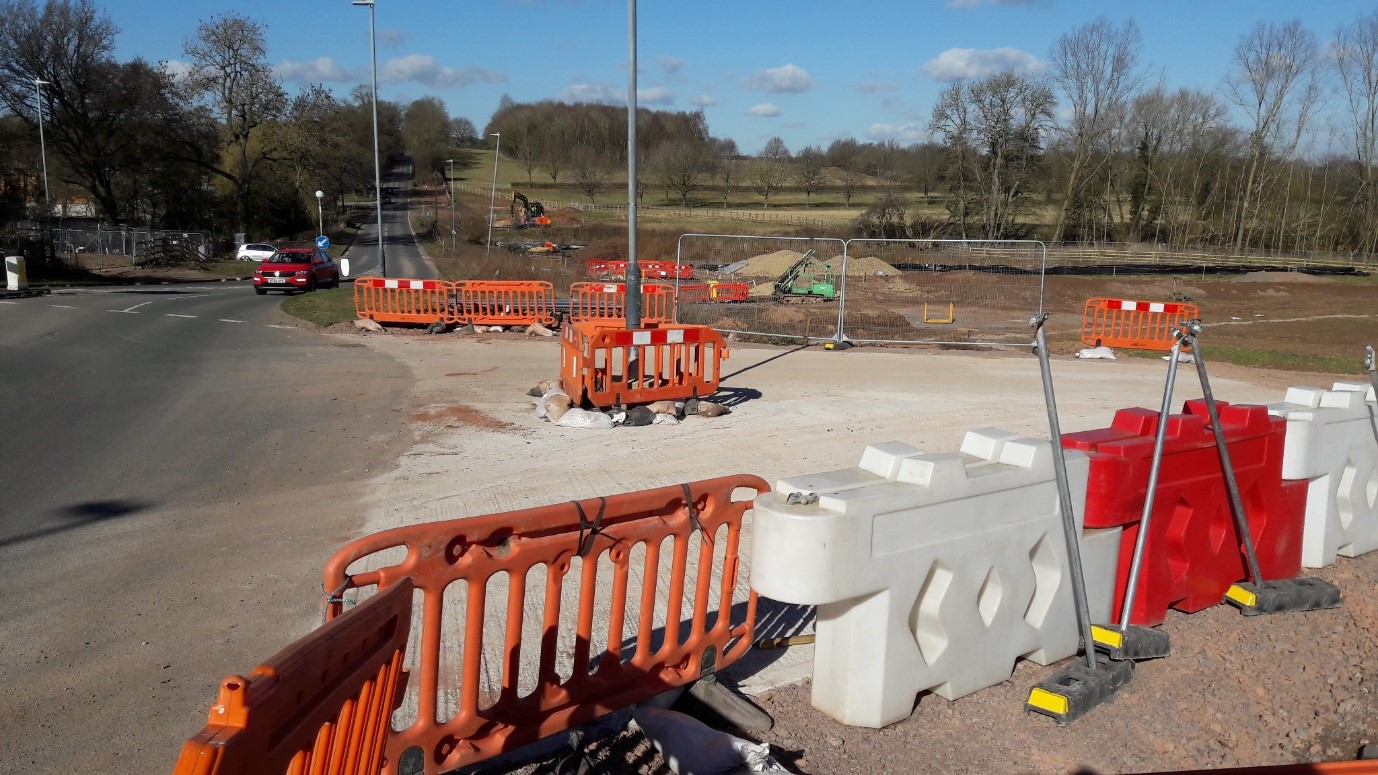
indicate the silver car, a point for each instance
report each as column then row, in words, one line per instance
column 255, row 251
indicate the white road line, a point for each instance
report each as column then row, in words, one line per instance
column 227, row 320
column 61, row 306
column 131, row 309
column 9, row 302
column 170, row 315
column 274, row 325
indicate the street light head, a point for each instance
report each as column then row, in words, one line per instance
column 320, row 194
column 41, row 82
column 496, row 134
column 368, row 3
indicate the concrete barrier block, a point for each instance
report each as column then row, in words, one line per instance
column 936, row 576
column 1332, row 443
column 1359, row 387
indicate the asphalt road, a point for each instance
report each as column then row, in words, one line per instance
column 176, row 463
column 400, row 251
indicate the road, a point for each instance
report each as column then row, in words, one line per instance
column 176, row 463
column 403, row 256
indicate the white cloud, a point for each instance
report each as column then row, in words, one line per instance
column 176, row 68
column 958, row 64
column 764, row 110
column 703, row 101
column 979, row 3
column 594, row 92
column 318, row 70
column 875, row 87
column 790, row 79
column 423, row 69
column 670, row 65
column 655, row 95
column 904, row 134
column 392, row 38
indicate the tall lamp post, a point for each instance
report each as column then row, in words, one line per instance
column 493, row 192
column 320, row 212
column 377, row 166
column 42, row 145
column 454, row 239
column 633, row 265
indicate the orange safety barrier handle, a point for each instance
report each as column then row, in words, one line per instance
column 504, row 302
column 1134, row 325
column 388, row 300
column 608, row 302
column 322, row 705
column 607, row 366
column 602, row 534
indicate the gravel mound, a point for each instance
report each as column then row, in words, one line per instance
column 775, row 264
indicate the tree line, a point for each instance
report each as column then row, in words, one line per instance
column 219, row 145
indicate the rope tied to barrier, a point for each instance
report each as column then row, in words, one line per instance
column 588, row 530
column 693, row 514
column 337, row 597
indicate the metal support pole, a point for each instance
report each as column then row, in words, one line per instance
column 633, row 265
column 1159, row 439
column 493, row 192
column 320, row 212
column 454, row 238
column 42, row 144
column 377, row 163
column 1064, row 493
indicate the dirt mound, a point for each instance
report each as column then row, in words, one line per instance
column 1279, row 277
column 777, row 263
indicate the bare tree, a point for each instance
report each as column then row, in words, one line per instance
column 952, row 123
column 1095, row 66
column 809, row 170
column 1356, row 60
column 230, row 72
column 1276, row 87
column 681, row 166
column 426, row 135
column 591, row 172
column 769, row 171
column 724, row 161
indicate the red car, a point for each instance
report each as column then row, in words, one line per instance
column 296, row 269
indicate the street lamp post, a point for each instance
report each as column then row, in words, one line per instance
column 42, row 144
column 320, row 212
column 377, row 166
column 493, row 192
column 633, row 265
column 454, row 238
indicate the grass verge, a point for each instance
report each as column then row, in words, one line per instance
column 323, row 308
column 1258, row 358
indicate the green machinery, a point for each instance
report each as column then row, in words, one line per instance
column 808, row 279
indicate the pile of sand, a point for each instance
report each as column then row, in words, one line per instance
column 773, row 265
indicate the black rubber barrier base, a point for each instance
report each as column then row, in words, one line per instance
column 1075, row 691
column 1283, row 595
column 1135, row 643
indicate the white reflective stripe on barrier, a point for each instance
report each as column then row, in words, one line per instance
column 1331, row 442
column 930, row 571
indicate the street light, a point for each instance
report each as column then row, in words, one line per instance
column 42, row 145
column 633, row 265
column 493, row 192
column 454, row 240
column 377, row 166
column 320, row 213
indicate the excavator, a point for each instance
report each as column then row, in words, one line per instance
column 526, row 213
column 808, row 280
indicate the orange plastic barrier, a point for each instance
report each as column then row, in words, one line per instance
column 703, row 293
column 604, row 366
column 1135, row 325
column 504, row 302
column 403, row 301
column 486, row 553
column 649, row 269
column 608, row 302
column 322, row 705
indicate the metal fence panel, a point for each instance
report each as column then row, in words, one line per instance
column 759, row 262
column 961, row 292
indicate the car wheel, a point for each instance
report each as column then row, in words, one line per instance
column 261, row 291
column 311, row 283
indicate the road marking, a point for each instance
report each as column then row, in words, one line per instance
column 9, row 302
column 275, row 325
column 227, row 320
column 131, row 309
column 61, row 306
column 170, row 315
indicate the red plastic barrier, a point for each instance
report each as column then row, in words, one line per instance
column 604, row 367
column 1192, row 555
column 403, row 301
column 1134, row 325
column 322, row 705
column 663, row 270
column 504, row 302
column 607, row 302
column 666, row 620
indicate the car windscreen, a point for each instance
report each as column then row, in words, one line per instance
column 289, row 258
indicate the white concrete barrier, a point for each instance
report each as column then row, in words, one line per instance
column 930, row 571
column 16, row 278
column 1331, row 441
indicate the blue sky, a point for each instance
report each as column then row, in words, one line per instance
column 808, row 71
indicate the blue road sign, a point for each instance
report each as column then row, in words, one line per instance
column 322, row 242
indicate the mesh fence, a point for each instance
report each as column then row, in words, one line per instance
column 761, row 263
column 941, row 291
